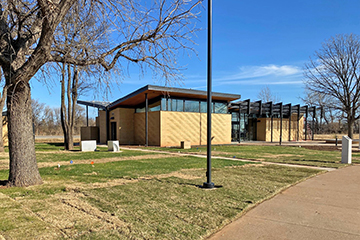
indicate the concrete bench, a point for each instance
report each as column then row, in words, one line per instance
column 88, row 145
column 113, row 146
column 185, row 145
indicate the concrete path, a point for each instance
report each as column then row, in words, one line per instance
column 324, row 207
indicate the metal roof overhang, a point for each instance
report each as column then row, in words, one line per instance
column 96, row 104
column 270, row 108
column 138, row 97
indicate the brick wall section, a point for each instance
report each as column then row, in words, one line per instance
column 153, row 128
column 125, row 125
column 264, row 129
column 101, row 123
column 186, row 126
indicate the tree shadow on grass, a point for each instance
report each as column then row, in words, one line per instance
column 3, row 183
column 56, row 144
column 314, row 160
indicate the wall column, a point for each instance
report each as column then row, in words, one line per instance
column 107, row 125
column 87, row 115
column 146, row 120
column 281, row 121
column 289, row 122
column 272, row 121
column 298, row 124
column 239, row 122
column 306, row 122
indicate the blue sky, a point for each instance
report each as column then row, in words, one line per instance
column 255, row 44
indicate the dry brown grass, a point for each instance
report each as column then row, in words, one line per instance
column 323, row 137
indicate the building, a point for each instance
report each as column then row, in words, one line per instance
column 165, row 116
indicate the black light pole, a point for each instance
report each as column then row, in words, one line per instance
column 209, row 184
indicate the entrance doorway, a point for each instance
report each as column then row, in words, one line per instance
column 113, row 131
column 243, row 127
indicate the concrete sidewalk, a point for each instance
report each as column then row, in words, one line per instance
column 324, row 207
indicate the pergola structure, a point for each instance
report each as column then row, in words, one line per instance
column 95, row 104
column 279, row 110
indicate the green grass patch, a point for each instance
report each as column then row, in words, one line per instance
column 49, row 146
column 101, row 172
column 39, row 192
column 279, row 154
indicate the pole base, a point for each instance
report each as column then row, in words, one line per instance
column 208, row 185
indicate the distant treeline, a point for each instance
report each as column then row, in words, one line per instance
column 47, row 121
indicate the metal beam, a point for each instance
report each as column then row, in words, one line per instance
column 313, row 130
column 272, row 121
column 298, row 125
column 306, row 121
column 107, row 112
column 289, row 106
column 147, row 120
column 281, row 120
column 209, row 184
column 87, row 115
column 239, row 125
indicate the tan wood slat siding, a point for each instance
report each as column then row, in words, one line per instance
column 186, row 126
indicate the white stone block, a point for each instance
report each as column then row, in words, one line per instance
column 88, row 145
column 346, row 150
column 185, row 145
column 113, row 146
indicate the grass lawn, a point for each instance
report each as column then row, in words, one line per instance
column 143, row 197
column 279, row 154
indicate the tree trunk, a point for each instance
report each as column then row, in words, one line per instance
column 68, row 113
column 350, row 123
column 23, row 167
column 1, row 135
column 70, row 142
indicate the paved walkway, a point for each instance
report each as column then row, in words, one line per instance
column 324, row 207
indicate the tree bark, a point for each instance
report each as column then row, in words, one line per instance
column 350, row 123
column 68, row 113
column 23, row 167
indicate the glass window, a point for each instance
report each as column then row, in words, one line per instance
column 154, row 106
column 176, row 105
column 235, row 116
column 139, row 110
column 191, row 106
column 163, row 104
column 220, row 107
column 203, row 107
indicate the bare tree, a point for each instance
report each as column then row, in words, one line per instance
column 37, row 112
column 335, row 72
column 330, row 116
column 152, row 34
column 73, row 78
column 266, row 95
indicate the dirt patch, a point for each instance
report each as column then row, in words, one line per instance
column 72, row 216
column 178, row 175
column 323, row 148
column 5, row 164
column 123, row 181
column 221, row 153
column 281, row 155
column 102, row 160
column 73, row 200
